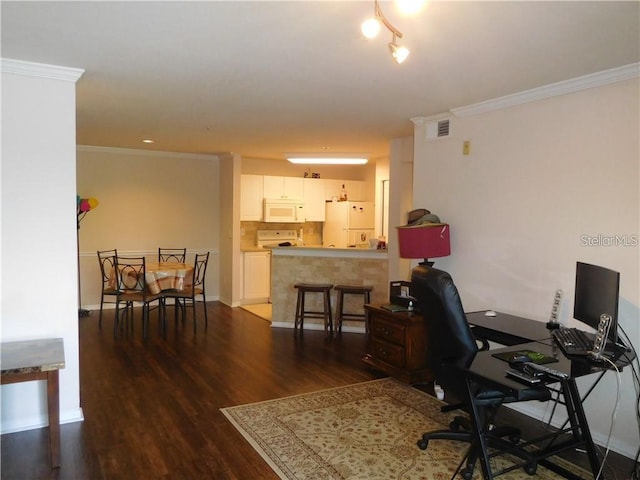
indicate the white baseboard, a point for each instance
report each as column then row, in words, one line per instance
column 112, row 306
column 23, row 424
column 317, row 326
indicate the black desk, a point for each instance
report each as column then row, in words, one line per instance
column 487, row 369
column 507, row 329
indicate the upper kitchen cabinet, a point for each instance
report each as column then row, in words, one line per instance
column 314, row 199
column 354, row 189
column 251, row 195
column 283, row 187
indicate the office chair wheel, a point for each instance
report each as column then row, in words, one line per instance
column 515, row 439
column 423, row 444
column 454, row 425
column 466, row 473
column 531, row 468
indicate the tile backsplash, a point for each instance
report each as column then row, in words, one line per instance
column 311, row 231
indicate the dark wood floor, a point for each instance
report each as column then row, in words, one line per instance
column 151, row 407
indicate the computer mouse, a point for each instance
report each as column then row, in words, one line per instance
column 519, row 358
column 489, row 313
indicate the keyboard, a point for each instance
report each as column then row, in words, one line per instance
column 573, row 341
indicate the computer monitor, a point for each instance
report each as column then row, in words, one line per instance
column 597, row 291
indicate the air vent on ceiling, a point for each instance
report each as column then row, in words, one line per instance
column 439, row 129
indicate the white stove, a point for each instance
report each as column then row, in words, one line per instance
column 275, row 237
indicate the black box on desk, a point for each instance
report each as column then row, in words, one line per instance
column 400, row 293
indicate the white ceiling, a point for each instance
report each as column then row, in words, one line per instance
column 264, row 78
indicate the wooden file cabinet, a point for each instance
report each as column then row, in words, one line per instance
column 397, row 344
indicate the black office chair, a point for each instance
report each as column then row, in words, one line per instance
column 452, row 348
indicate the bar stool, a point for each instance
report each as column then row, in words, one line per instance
column 364, row 290
column 301, row 313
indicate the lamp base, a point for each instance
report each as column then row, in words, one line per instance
column 426, row 263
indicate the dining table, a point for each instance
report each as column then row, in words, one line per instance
column 161, row 276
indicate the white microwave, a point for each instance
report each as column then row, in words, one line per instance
column 283, row 210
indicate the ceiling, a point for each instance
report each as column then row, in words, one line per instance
column 264, row 78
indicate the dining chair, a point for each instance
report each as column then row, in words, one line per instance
column 190, row 292
column 131, row 285
column 177, row 255
column 107, row 261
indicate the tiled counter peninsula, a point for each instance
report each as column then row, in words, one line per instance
column 346, row 266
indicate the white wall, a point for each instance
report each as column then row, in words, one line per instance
column 147, row 200
column 401, row 174
column 540, row 176
column 38, row 259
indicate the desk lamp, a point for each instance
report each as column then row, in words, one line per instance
column 428, row 240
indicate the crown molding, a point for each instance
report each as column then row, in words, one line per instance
column 42, row 70
column 606, row 77
column 146, row 153
column 418, row 121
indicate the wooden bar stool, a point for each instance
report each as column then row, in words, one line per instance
column 325, row 314
column 342, row 290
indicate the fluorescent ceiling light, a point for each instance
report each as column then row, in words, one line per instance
column 311, row 160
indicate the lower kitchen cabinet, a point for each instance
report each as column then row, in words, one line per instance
column 257, row 277
column 397, row 344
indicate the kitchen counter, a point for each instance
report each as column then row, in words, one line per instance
column 320, row 251
column 252, row 249
column 317, row 264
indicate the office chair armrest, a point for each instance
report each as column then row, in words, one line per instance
column 483, row 343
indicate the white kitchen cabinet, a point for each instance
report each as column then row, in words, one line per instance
column 314, row 199
column 257, row 277
column 251, row 195
column 354, row 188
column 283, row 187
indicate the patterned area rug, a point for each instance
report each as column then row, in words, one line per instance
column 365, row 431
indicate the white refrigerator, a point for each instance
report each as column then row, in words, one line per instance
column 348, row 224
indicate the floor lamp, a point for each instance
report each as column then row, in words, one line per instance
column 83, row 206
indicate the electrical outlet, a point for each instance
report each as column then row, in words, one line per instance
column 466, row 147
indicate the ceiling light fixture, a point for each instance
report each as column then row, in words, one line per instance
column 311, row 159
column 371, row 27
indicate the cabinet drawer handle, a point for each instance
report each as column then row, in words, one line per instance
column 386, row 331
column 383, row 353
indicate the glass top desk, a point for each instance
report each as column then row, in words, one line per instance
column 507, row 329
column 486, row 369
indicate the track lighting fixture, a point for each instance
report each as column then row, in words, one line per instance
column 371, row 27
column 398, row 52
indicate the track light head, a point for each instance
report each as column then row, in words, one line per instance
column 398, row 52
column 370, row 28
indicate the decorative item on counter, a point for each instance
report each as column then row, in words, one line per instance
column 382, row 243
column 343, row 194
column 315, row 175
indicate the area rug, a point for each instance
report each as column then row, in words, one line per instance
column 365, row 431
